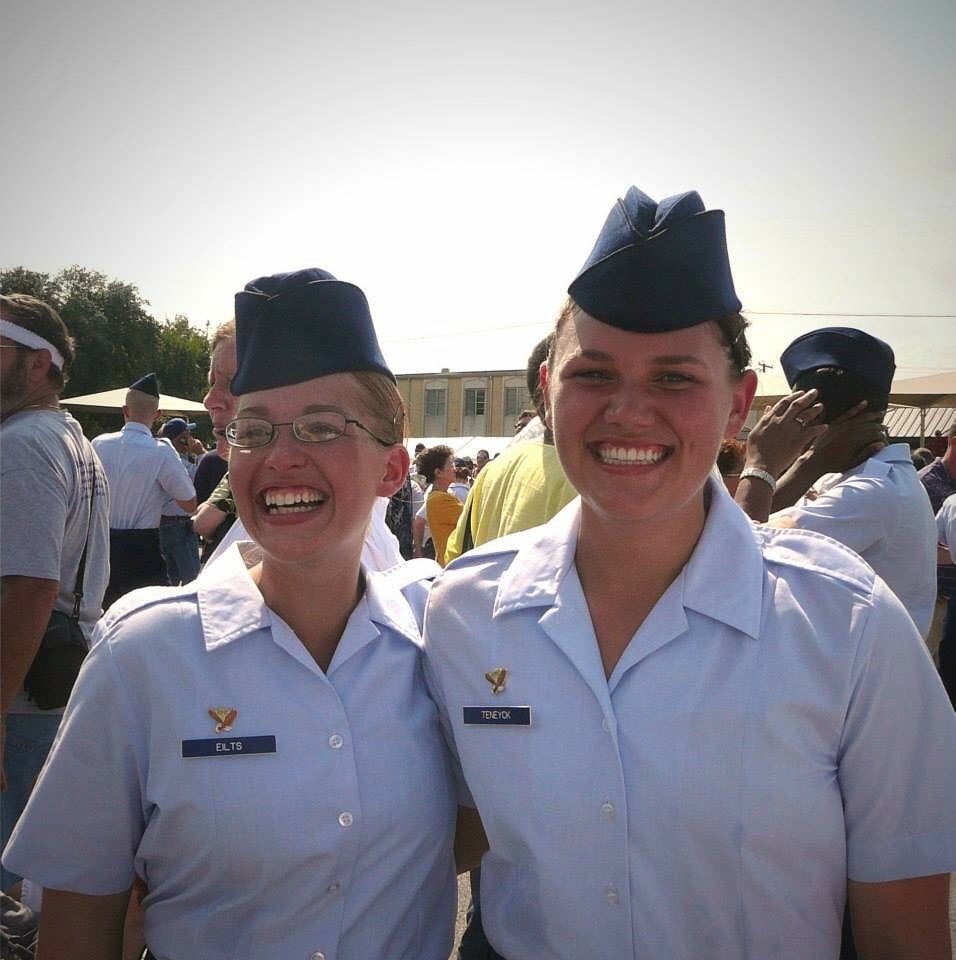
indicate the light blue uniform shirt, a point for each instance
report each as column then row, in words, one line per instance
column 143, row 472
column 338, row 844
column 170, row 507
column 692, row 805
column 880, row 509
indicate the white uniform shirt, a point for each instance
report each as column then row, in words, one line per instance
column 692, row 805
column 143, row 472
column 880, row 509
column 336, row 842
column 946, row 525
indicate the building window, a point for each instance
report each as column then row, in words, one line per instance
column 514, row 401
column 435, row 403
column 475, row 402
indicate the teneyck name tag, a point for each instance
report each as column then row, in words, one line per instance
column 497, row 716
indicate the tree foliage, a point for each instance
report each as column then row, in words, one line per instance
column 117, row 339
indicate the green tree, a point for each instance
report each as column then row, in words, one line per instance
column 117, row 339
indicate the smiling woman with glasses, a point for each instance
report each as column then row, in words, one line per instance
column 259, row 746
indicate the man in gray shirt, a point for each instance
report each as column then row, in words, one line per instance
column 55, row 504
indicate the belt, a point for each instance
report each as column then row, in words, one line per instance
column 173, row 521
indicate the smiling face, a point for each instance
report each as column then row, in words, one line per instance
column 312, row 501
column 638, row 418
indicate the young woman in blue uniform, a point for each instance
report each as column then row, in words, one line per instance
column 259, row 746
column 685, row 735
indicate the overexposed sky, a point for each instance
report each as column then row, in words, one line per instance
column 457, row 160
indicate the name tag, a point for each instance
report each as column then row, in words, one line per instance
column 229, row 746
column 497, row 716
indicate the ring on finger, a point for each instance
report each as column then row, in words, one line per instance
column 801, row 421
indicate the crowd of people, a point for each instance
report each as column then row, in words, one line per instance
column 667, row 690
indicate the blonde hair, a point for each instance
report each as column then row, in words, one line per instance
column 383, row 404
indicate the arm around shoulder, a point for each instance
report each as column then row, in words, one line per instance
column 901, row 919
column 81, row 927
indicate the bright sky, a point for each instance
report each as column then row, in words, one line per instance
column 457, row 159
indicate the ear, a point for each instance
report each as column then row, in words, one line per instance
column 39, row 365
column 743, row 395
column 396, row 469
column 544, row 381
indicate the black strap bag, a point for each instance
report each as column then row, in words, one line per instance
column 51, row 676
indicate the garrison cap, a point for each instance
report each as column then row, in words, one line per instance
column 147, row 384
column 658, row 266
column 293, row 327
column 844, row 347
column 175, row 427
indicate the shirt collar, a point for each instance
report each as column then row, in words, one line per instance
column 231, row 606
column 729, row 594
column 132, row 427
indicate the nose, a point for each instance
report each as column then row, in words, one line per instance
column 630, row 405
column 285, row 451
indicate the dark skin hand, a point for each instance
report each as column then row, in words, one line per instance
column 785, row 431
column 849, row 440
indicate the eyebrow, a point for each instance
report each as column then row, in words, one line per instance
column 310, row 408
column 671, row 359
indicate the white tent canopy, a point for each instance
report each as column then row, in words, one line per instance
column 114, row 400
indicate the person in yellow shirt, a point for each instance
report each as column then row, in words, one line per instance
column 442, row 508
column 522, row 488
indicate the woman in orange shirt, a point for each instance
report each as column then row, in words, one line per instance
column 442, row 508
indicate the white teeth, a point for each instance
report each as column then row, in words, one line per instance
column 294, row 500
column 616, row 455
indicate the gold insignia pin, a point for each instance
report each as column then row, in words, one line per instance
column 225, row 717
column 498, row 678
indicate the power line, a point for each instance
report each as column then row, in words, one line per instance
column 889, row 316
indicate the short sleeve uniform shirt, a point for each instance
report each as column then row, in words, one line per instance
column 774, row 726
column 880, row 510
column 144, row 473
column 272, row 809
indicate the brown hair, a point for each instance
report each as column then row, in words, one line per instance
column 732, row 327
column 433, row 459
column 40, row 318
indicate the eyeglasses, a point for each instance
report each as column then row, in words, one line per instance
column 319, row 426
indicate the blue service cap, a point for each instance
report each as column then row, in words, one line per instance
column 146, row 384
column 658, row 266
column 174, row 427
column 293, row 327
column 845, row 347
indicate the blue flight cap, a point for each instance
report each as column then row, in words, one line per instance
column 175, row 427
column 658, row 266
column 293, row 327
column 871, row 359
column 147, row 384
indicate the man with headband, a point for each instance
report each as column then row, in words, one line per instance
column 55, row 506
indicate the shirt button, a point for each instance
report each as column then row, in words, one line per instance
column 318, row 955
column 335, row 741
column 346, row 819
column 611, row 895
column 607, row 810
column 332, row 888
column 605, row 726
